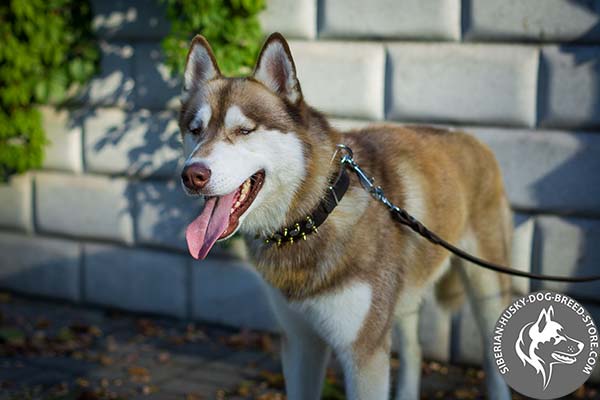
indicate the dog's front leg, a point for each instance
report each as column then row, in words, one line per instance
column 304, row 354
column 367, row 373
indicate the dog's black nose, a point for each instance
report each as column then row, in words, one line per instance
column 195, row 176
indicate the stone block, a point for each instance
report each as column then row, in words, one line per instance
column 342, row 79
column 568, row 246
column 114, row 84
column 230, row 292
column 140, row 143
column 569, row 87
column 406, row 19
column 136, row 279
column 63, row 131
column 531, row 20
column 155, row 87
column 293, row 18
column 446, row 83
column 40, row 266
column 15, row 197
column 130, row 19
column 347, row 124
column 551, row 171
column 84, row 206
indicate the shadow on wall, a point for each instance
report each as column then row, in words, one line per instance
column 122, row 19
column 145, row 148
column 569, row 78
column 592, row 7
column 570, row 187
column 569, row 97
column 129, row 124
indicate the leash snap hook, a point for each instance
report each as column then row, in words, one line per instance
column 347, row 159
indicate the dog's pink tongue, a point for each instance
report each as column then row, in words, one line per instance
column 204, row 231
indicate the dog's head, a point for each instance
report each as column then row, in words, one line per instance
column 544, row 343
column 242, row 143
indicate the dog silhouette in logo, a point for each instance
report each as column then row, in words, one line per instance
column 543, row 343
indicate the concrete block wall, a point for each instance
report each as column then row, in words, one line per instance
column 103, row 222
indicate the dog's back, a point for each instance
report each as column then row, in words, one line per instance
column 451, row 182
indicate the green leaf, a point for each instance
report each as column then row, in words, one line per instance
column 41, row 91
column 232, row 28
column 48, row 46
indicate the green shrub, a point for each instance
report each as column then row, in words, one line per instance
column 231, row 27
column 47, row 48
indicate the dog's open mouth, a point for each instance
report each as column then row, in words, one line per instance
column 221, row 215
column 563, row 358
column 244, row 196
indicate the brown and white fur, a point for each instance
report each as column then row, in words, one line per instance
column 346, row 287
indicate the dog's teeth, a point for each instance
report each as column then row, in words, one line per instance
column 245, row 190
column 246, row 186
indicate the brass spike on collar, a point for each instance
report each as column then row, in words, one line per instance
column 310, row 224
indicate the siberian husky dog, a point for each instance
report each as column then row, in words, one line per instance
column 262, row 159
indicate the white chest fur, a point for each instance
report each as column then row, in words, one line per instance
column 338, row 316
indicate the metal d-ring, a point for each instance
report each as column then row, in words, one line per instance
column 347, row 157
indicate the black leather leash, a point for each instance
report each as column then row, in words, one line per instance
column 403, row 217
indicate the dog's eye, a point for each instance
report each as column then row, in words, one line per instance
column 558, row 339
column 245, row 131
column 196, row 131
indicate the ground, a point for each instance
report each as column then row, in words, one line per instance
column 51, row 350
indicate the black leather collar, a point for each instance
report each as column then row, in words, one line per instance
column 301, row 229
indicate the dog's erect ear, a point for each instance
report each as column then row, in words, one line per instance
column 276, row 70
column 544, row 318
column 201, row 65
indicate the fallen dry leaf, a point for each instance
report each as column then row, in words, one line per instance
column 149, row 389
column 105, row 360
column 139, row 374
column 266, row 343
column 273, row 379
column 42, row 323
column 164, row 357
column 245, row 388
column 271, row 396
column 82, row 382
